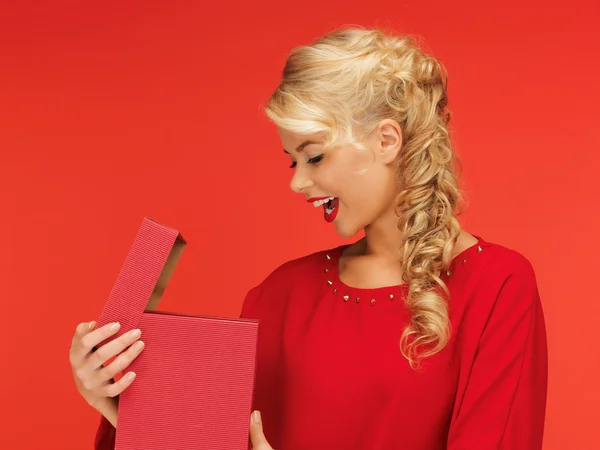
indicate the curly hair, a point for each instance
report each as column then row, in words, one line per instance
column 344, row 84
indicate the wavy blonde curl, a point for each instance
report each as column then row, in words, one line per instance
column 344, row 84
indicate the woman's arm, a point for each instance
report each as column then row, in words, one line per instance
column 105, row 435
column 504, row 403
column 106, row 432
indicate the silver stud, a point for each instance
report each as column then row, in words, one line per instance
column 328, row 257
column 326, row 270
column 346, row 298
column 372, row 301
column 479, row 249
column 329, row 282
column 357, row 299
column 464, row 261
column 335, row 291
column 449, row 273
column 391, row 296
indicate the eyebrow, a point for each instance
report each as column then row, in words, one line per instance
column 303, row 145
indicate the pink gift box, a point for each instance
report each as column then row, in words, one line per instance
column 195, row 376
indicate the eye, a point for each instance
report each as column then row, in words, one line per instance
column 315, row 159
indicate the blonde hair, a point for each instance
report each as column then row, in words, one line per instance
column 347, row 82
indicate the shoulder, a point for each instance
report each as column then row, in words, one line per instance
column 495, row 291
column 490, row 273
column 504, row 263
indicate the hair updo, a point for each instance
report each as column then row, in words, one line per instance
column 342, row 86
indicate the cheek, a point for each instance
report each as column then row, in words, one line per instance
column 361, row 192
column 365, row 188
column 367, row 198
column 329, row 179
column 356, row 174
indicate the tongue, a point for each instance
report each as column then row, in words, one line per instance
column 330, row 210
column 331, row 204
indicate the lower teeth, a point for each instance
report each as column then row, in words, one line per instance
column 329, row 209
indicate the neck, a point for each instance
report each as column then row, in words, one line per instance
column 382, row 237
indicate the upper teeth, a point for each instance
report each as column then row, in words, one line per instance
column 322, row 202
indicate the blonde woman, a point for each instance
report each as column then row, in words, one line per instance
column 419, row 336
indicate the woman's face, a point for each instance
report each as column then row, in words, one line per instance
column 337, row 183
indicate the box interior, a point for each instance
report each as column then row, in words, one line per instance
column 166, row 273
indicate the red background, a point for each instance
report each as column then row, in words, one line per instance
column 109, row 112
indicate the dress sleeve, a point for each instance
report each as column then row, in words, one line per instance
column 250, row 302
column 504, row 403
column 105, row 435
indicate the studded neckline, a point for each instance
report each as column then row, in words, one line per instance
column 384, row 294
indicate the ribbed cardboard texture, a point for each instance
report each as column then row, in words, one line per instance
column 195, row 376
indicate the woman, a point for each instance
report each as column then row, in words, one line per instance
column 417, row 336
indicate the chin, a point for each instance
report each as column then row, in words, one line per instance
column 345, row 230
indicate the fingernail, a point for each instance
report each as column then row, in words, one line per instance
column 256, row 416
column 130, row 376
column 138, row 346
column 135, row 333
column 114, row 326
column 92, row 325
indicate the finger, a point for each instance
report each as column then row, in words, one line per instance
column 106, row 374
column 120, row 363
column 89, row 340
column 114, row 389
column 257, row 436
column 81, row 330
column 111, row 348
column 84, row 328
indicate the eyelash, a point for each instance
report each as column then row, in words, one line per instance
column 314, row 160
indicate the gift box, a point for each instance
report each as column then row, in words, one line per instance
column 195, row 376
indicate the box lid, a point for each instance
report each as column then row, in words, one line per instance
column 144, row 275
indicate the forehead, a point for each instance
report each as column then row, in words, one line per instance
column 294, row 142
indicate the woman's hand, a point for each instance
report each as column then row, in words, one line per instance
column 92, row 379
column 257, row 437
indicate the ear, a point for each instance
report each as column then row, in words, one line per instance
column 389, row 135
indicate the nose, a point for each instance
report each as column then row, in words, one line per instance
column 300, row 181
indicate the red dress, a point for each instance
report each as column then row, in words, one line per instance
column 330, row 374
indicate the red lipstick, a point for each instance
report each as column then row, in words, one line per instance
column 331, row 211
column 330, row 207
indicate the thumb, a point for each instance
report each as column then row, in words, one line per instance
column 257, row 436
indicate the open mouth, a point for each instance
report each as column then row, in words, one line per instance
column 330, row 206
